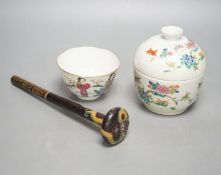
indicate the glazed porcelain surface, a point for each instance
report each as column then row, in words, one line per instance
column 169, row 69
column 88, row 72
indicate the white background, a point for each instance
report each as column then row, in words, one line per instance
column 36, row 138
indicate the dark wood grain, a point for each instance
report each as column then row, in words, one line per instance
column 66, row 104
column 69, row 105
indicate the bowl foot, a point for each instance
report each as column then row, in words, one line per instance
column 87, row 98
column 164, row 111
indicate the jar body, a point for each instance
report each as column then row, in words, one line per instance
column 166, row 97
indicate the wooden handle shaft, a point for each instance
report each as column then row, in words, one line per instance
column 76, row 108
column 29, row 87
column 66, row 104
column 69, row 105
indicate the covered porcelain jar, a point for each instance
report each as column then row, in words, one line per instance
column 168, row 70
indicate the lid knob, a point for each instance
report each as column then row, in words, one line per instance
column 171, row 32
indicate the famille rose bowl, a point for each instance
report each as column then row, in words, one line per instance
column 88, row 72
column 168, row 71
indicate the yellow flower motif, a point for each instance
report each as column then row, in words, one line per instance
column 171, row 64
column 162, row 102
column 201, row 55
column 173, row 89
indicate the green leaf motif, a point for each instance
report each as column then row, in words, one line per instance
column 186, row 97
column 166, row 70
column 97, row 85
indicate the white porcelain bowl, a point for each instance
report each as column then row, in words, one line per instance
column 88, row 71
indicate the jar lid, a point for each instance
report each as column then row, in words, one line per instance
column 170, row 56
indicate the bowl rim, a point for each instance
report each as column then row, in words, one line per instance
column 103, row 75
column 88, row 76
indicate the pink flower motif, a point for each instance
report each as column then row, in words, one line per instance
column 190, row 45
column 163, row 89
column 170, row 53
column 149, row 86
column 83, row 89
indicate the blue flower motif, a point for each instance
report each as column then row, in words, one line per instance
column 143, row 95
column 189, row 61
column 99, row 91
